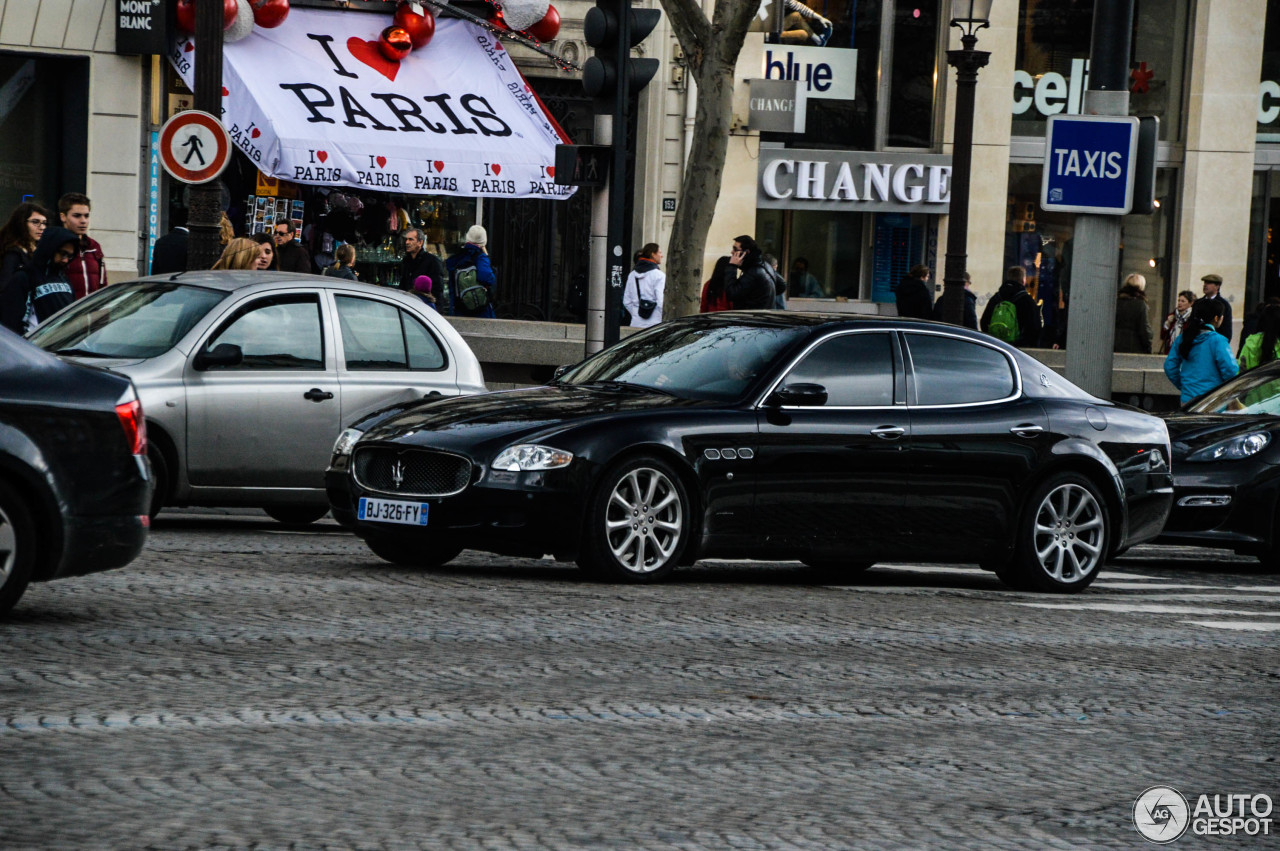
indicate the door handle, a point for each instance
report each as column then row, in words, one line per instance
column 889, row 432
column 1026, row 430
column 315, row 394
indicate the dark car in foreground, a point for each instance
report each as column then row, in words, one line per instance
column 834, row 440
column 74, row 479
column 1226, row 461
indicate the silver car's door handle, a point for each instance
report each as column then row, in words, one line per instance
column 889, row 432
column 315, row 394
column 1026, row 430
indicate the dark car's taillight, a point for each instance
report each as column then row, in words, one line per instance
column 129, row 410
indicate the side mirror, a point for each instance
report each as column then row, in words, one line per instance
column 800, row 395
column 223, row 354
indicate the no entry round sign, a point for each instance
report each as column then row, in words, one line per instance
column 194, row 147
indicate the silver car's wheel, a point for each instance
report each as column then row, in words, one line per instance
column 638, row 524
column 17, row 547
column 1063, row 542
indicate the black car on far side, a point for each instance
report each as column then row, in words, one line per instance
column 833, row 439
column 74, row 478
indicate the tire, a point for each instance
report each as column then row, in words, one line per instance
column 17, row 547
column 417, row 551
column 833, row 571
column 159, row 479
column 637, row 522
column 1062, row 537
column 296, row 515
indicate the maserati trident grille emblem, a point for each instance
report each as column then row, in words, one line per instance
column 397, row 474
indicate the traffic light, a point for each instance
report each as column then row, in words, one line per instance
column 612, row 27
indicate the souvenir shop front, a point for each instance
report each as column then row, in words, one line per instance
column 352, row 148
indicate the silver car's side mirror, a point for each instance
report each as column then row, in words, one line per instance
column 223, row 354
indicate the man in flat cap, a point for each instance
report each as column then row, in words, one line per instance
column 1213, row 283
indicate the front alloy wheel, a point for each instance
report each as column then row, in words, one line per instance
column 17, row 547
column 638, row 523
column 1063, row 539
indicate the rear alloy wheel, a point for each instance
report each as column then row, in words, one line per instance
column 417, row 551
column 1062, row 539
column 296, row 515
column 638, row 522
column 17, row 547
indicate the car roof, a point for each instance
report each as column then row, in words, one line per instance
column 817, row 319
column 232, row 280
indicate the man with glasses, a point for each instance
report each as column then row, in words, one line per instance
column 88, row 270
column 45, row 281
column 289, row 252
column 418, row 261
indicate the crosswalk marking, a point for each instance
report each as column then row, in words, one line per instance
column 1146, row 608
column 1244, row 626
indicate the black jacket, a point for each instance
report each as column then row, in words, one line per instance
column 426, row 263
column 754, row 290
column 170, row 254
column 13, row 290
column 970, row 310
column 1133, row 332
column 292, row 257
column 915, row 298
column 1028, row 313
column 47, row 285
column 1225, row 328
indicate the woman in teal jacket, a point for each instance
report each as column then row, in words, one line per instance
column 1200, row 359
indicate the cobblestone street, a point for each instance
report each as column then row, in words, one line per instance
column 243, row 685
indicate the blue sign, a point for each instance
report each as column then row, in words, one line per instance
column 1089, row 164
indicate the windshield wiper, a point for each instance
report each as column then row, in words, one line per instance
column 631, row 385
column 81, row 353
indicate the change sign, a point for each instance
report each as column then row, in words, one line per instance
column 1089, row 164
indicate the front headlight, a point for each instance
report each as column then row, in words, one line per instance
column 346, row 440
column 1234, row 448
column 530, row 456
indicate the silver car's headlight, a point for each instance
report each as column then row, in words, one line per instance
column 343, row 445
column 1233, row 449
column 531, row 456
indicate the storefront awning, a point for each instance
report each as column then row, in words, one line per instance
column 312, row 101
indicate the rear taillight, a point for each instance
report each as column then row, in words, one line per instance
column 129, row 410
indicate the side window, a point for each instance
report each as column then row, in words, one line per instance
column 424, row 350
column 856, row 369
column 950, row 371
column 280, row 332
column 371, row 335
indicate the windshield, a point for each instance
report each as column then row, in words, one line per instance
column 1252, row 393
column 692, row 361
column 139, row 320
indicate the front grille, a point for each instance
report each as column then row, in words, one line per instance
column 421, row 472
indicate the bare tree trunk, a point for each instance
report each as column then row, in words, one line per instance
column 711, row 49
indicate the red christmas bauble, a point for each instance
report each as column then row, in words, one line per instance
column 498, row 21
column 230, row 8
column 394, row 43
column 547, row 28
column 269, row 14
column 186, row 14
column 421, row 27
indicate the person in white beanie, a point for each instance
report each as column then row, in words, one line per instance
column 472, row 284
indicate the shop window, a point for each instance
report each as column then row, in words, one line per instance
column 1051, row 67
column 819, row 252
column 899, row 241
column 915, row 56
column 44, row 127
column 1042, row 243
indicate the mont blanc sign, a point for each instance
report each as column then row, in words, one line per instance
column 853, row 181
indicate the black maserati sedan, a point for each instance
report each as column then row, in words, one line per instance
column 836, row 440
column 1226, row 459
column 74, row 479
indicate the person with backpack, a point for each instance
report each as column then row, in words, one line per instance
column 472, row 284
column 1012, row 314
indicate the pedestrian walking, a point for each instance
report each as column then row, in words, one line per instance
column 290, row 255
column 970, row 316
column 1200, row 358
column 1133, row 331
column 1211, row 286
column 18, row 239
column 643, row 294
column 1263, row 346
column 1012, row 314
column 45, row 279
column 344, row 263
column 170, row 253
column 472, row 284
column 87, row 271
column 418, row 261
column 242, row 253
column 747, row 284
column 714, row 297
column 1173, row 324
column 914, row 295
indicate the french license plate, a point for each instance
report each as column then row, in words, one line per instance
column 391, row 511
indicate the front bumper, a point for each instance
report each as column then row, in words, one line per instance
column 1212, row 510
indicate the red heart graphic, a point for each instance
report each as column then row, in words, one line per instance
column 255, row 132
column 497, row 169
column 439, row 164
column 322, row 155
column 367, row 52
column 382, row 162
column 188, row 47
column 551, row 171
column 225, row 92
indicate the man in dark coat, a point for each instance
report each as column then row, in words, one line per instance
column 1213, row 283
column 418, row 261
column 915, row 296
column 1014, row 289
column 46, row 279
column 170, row 254
column 754, row 288
column 970, row 306
column 290, row 254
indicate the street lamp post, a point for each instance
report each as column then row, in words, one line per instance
column 968, row 16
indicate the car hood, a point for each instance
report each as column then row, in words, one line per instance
column 465, row 421
column 113, row 364
column 1191, row 432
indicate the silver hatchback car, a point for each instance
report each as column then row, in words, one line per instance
column 247, row 378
